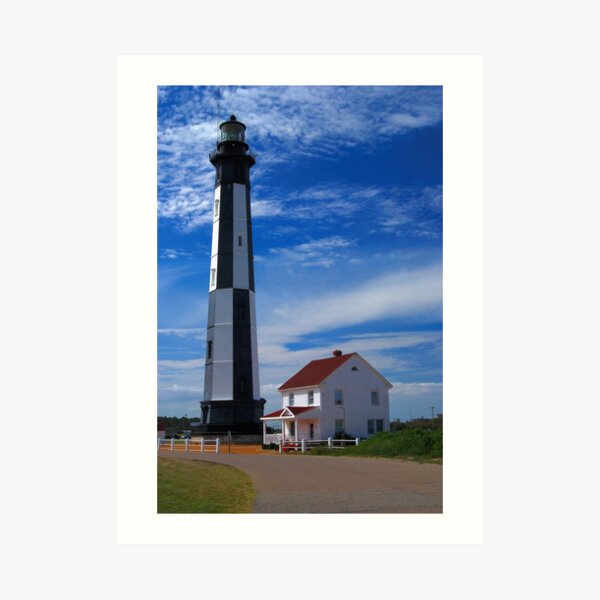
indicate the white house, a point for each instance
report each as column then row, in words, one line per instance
column 341, row 394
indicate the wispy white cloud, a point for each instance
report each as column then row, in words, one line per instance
column 400, row 294
column 414, row 212
column 187, row 207
column 403, row 211
column 181, row 375
column 189, row 332
column 174, row 253
column 266, row 208
column 417, row 389
column 323, row 252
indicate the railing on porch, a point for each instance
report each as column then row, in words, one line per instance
column 303, row 445
column 272, row 438
column 201, row 445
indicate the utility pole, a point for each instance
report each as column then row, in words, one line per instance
column 432, row 417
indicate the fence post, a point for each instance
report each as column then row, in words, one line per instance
column 172, row 444
column 187, row 444
column 158, row 444
column 218, row 445
column 201, row 445
column 303, row 445
column 356, row 441
column 329, row 442
column 280, row 446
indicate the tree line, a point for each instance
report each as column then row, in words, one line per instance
column 180, row 424
column 418, row 423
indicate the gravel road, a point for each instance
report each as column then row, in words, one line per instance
column 328, row 484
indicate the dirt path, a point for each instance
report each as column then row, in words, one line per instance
column 328, row 484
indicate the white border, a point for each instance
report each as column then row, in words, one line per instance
column 137, row 79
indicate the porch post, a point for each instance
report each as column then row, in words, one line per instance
column 264, row 431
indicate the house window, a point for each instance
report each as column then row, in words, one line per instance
column 374, row 426
column 375, row 398
column 291, row 400
column 339, row 397
column 311, row 397
column 209, row 350
column 339, row 425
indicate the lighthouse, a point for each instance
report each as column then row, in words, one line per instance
column 231, row 389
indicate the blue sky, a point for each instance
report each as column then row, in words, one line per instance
column 347, row 231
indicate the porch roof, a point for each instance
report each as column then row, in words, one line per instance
column 290, row 412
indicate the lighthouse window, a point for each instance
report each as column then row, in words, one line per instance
column 216, row 208
column 209, row 350
column 213, row 276
column 239, row 240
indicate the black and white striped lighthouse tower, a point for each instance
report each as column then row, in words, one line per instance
column 231, row 390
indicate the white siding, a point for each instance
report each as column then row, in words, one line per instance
column 301, row 397
column 356, row 409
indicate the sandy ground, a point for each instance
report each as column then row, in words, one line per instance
column 291, row 483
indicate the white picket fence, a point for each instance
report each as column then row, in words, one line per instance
column 303, row 445
column 201, row 445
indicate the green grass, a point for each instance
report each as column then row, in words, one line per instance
column 193, row 486
column 414, row 444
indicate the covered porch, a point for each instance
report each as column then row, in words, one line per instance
column 297, row 423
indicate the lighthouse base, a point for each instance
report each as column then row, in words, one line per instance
column 237, row 417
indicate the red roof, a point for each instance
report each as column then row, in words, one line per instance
column 296, row 410
column 315, row 372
